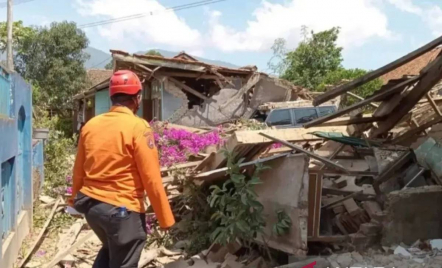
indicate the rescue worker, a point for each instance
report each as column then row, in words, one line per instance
column 116, row 164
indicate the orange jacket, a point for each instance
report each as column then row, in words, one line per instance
column 117, row 161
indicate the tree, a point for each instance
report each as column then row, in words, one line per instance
column 53, row 61
column 317, row 55
column 19, row 34
column 109, row 66
column 342, row 75
column 280, row 56
column 153, row 52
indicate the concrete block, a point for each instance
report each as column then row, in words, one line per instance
column 413, row 214
column 370, row 229
column 372, row 207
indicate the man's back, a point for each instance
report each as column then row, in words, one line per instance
column 118, row 161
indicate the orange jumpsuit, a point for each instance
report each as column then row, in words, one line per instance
column 117, row 162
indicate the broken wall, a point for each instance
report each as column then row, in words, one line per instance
column 211, row 113
column 285, row 187
column 413, row 214
column 175, row 102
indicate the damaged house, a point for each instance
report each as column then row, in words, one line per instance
column 188, row 92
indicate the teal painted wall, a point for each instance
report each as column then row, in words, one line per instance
column 103, row 104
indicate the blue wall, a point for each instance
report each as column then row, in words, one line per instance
column 103, row 103
column 15, row 151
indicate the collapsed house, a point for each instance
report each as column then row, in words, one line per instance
column 188, row 92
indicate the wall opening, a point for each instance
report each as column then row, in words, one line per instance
column 7, row 197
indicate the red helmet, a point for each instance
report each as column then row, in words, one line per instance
column 125, row 82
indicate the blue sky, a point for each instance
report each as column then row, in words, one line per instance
column 373, row 32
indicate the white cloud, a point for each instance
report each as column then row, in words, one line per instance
column 359, row 20
column 433, row 18
column 430, row 14
column 162, row 27
column 407, row 6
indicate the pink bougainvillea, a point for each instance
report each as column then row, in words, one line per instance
column 176, row 145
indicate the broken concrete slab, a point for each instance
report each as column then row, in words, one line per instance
column 412, row 215
column 285, row 187
column 312, row 262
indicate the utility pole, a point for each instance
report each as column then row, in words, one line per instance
column 9, row 60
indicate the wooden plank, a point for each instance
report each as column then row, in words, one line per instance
column 345, row 121
column 287, row 134
column 433, row 104
column 342, row 200
column 376, row 73
column 213, row 175
column 69, row 238
column 379, row 96
column 417, row 130
column 329, row 239
column 390, row 170
column 360, row 98
column 160, row 62
column 222, row 77
column 314, row 204
column 180, row 166
column 37, row 241
column 61, row 255
column 197, row 75
column 312, row 155
column 188, row 89
column 144, row 68
column 253, row 138
column 254, row 79
column 429, row 79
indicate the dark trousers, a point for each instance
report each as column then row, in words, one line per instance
column 123, row 238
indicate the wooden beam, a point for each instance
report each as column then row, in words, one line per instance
column 379, row 96
column 344, row 121
column 144, row 68
column 43, row 230
column 287, row 134
column 216, row 174
column 426, row 83
column 410, row 133
column 312, row 155
column 376, row 73
column 187, row 74
column 160, row 62
column 222, row 77
column 360, row 98
column 390, row 170
column 188, row 89
column 61, row 255
column 433, row 104
column 342, row 200
column 254, row 79
column 180, row 166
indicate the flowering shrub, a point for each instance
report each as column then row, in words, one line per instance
column 176, row 145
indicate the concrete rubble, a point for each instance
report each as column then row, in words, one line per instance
column 360, row 190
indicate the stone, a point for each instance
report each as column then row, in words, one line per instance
column 370, row 229
column 345, row 259
column 358, row 257
column 402, row 251
column 372, row 207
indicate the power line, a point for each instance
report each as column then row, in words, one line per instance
column 95, row 65
column 140, row 15
column 17, row 2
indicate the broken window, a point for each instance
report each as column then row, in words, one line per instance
column 323, row 111
column 280, row 117
column 305, row 115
